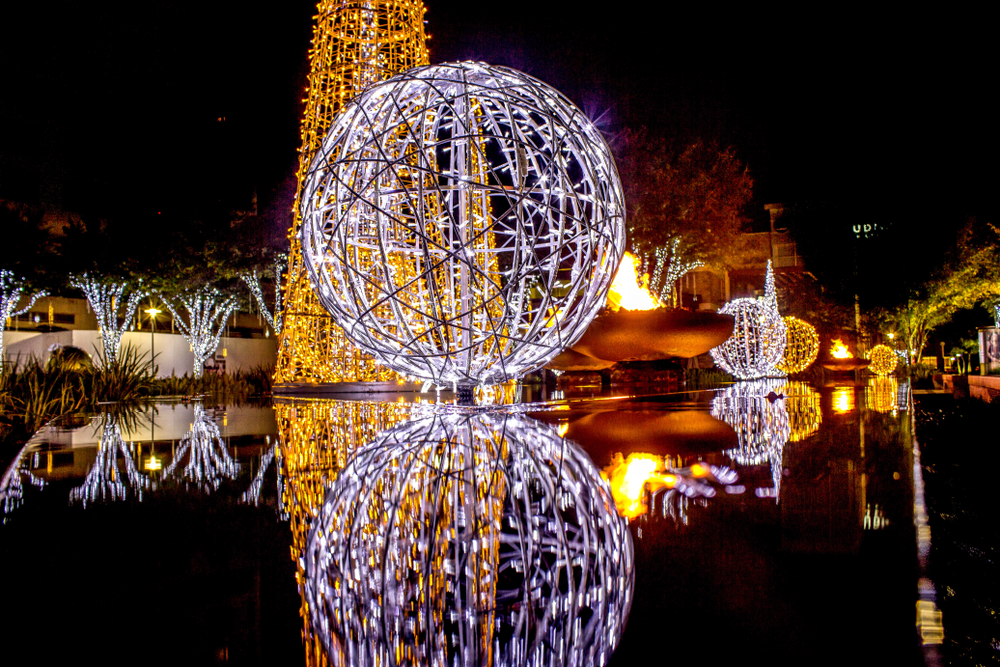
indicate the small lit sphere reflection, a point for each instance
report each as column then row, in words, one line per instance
column 464, row 538
column 883, row 360
column 882, row 394
column 462, row 223
column 804, row 407
column 801, row 346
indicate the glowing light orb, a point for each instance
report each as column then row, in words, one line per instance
column 757, row 345
column 464, row 538
column 883, row 360
column 801, row 346
column 462, row 223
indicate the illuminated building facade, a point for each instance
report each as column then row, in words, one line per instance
column 355, row 44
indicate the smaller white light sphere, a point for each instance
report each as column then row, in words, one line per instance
column 462, row 223
column 757, row 345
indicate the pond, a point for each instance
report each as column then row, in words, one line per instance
column 769, row 519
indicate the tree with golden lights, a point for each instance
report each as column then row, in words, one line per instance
column 355, row 44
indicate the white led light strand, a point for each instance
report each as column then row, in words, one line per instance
column 465, row 538
column 11, row 290
column 462, row 223
column 105, row 299
column 207, row 310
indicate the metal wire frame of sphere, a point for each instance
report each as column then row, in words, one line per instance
column 883, row 360
column 801, row 346
column 463, row 223
column 757, row 345
column 463, row 536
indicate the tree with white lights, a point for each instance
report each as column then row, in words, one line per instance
column 201, row 316
column 684, row 207
column 252, row 279
column 21, row 262
column 12, row 291
column 114, row 304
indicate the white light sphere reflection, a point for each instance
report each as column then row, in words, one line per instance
column 465, row 538
column 462, row 223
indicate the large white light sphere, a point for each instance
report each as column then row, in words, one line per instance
column 462, row 223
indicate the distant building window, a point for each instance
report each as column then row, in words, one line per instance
column 64, row 318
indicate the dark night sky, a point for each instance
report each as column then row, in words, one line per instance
column 118, row 113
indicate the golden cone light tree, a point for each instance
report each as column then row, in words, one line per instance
column 355, row 43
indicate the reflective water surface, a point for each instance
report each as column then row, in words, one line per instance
column 768, row 520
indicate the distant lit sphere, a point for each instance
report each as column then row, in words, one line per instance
column 462, row 223
column 757, row 345
column 883, row 360
column 801, row 346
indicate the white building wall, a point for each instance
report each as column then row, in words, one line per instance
column 173, row 353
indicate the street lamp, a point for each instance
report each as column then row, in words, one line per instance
column 152, row 312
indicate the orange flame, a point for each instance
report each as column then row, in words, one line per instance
column 629, row 478
column 839, row 350
column 628, row 291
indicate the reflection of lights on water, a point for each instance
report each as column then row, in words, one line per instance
column 103, row 481
column 208, row 459
column 641, row 477
column 875, row 518
column 843, row 400
column 882, row 394
column 462, row 538
column 930, row 623
column 757, row 412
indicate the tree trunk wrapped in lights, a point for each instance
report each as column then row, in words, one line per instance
column 668, row 265
column 11, row 291
column 207, row 310
column 106, row 300
column 355, row 44
column 253, row 282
